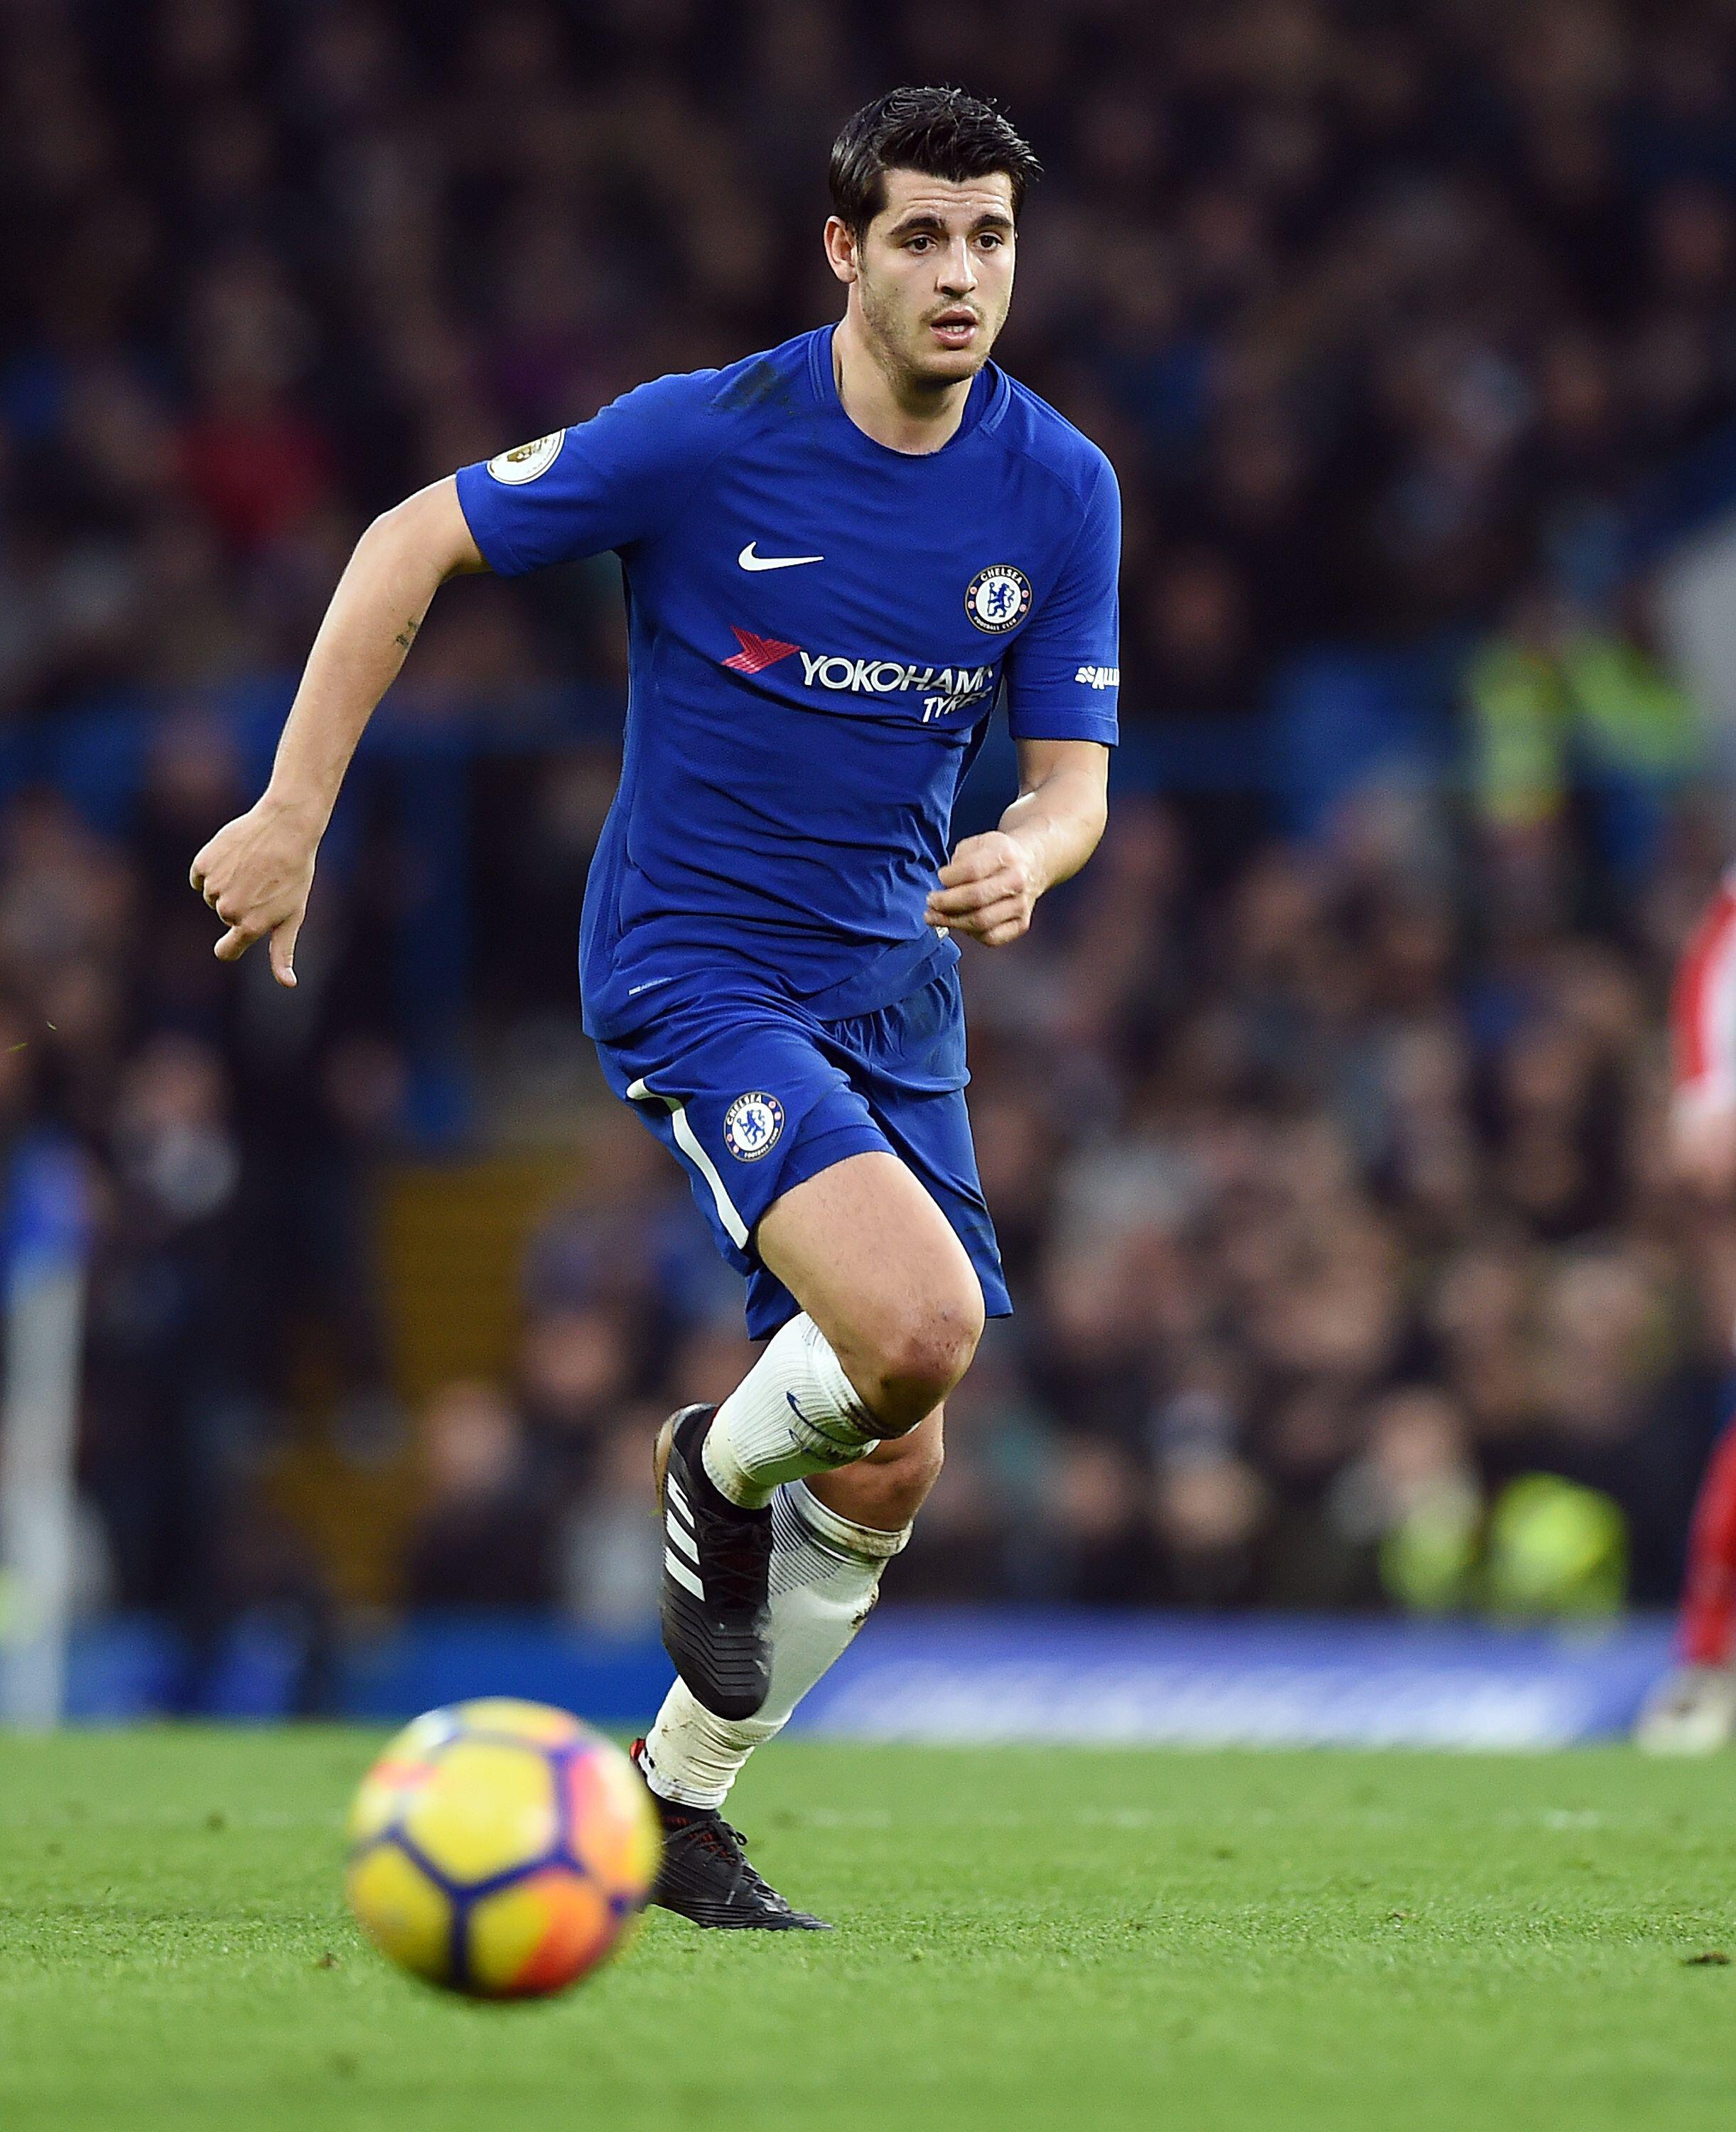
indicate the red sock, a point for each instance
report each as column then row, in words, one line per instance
column 1708, row 1626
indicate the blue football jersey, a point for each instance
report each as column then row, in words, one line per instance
column 818, row 629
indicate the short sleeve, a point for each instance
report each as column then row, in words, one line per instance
column 1064, row 673
column 605, row 483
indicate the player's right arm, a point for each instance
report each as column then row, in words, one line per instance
column 256, row 871
column 609, row 483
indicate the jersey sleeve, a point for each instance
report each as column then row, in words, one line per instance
column 1064, row 673
column 605, row 483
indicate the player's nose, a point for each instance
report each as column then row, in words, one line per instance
column 957, row 275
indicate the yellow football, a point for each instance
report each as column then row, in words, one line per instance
column 501, row 1848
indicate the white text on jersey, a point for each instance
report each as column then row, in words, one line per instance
column 955, row 686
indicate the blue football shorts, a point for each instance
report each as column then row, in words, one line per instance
column 754, row 1095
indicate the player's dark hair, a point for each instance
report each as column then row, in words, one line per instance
column 942, row 133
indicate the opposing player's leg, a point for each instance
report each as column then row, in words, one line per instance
column 891, row 1313
column 1693, row 1711
column 825, row 1578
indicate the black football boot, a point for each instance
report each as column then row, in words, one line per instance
column 705, row 1875
column 717, row 1567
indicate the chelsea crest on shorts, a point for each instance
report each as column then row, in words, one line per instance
column 752, row 1125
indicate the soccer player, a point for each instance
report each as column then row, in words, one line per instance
column 838, row 556
column 1694, row 1710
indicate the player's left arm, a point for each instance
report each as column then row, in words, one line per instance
column 990, row 887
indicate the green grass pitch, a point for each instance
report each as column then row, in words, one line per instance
column 1029, row 1938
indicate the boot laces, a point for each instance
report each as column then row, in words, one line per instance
column 716, row 1835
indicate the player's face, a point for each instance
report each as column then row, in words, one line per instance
column 933, row 273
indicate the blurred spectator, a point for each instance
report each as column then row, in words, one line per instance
column 575, row 1367
column 1411, row 1504
column 612, row 1547
column 1560, row 704
column 484, row 1537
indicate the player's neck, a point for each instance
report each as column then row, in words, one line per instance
column 885, row 404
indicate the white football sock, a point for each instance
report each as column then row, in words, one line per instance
column 825, row 1578
column 795, row 1412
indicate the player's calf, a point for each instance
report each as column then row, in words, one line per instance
column 885, row 1490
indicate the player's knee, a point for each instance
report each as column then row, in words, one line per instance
column 919, row 1355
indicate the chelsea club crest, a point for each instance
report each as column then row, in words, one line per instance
column 998, row 598
column 751, row 1125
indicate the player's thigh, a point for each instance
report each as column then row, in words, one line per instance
column 872, row 1259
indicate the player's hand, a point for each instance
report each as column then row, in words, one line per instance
column 255, row 873
column 988, row 890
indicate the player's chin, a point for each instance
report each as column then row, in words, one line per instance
column 947, row 366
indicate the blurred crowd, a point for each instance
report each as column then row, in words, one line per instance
column 1328, row 1173
column 1374, row 310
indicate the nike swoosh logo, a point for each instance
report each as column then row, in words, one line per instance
column 749, row 561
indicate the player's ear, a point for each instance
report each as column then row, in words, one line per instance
column 841, row 247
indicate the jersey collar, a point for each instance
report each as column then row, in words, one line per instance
column 988, row 389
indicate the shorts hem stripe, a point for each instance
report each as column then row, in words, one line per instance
column 688, row 1141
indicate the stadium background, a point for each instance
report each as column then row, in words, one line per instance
column 1321, row 1117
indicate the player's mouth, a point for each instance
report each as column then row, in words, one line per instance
column 955, row 329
